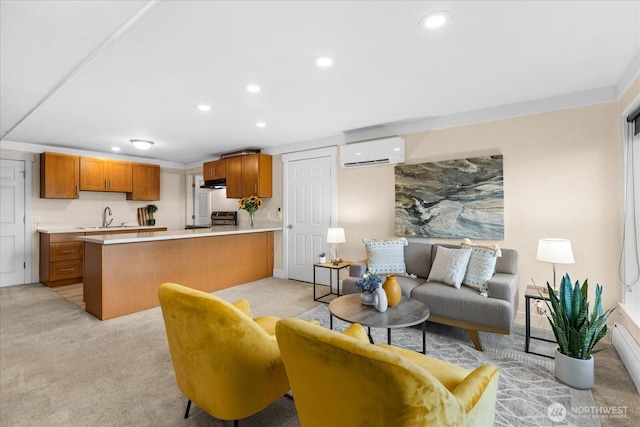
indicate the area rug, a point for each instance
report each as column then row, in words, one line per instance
column 528, row 393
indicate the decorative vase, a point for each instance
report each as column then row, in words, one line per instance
column 392, row 289
column 576, row 373
column 380, row 300
column 251, row 214
column 323, row 260
column 367, row 298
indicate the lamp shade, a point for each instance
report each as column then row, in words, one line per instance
column 335, row 235
column 557, row 251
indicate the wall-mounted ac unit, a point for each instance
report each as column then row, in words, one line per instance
column 371, row 153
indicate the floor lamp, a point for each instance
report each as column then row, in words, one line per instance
column 555, row 251
column 335, row 236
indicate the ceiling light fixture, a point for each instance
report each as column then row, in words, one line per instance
column 435, row 20
column 261, row 124
column 141, row 144
column 203, row 107
column 115, row 148
column 252, row 88
column 323, row 61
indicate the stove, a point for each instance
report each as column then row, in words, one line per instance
column 219, row 218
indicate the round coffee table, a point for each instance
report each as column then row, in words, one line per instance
column 409, row 312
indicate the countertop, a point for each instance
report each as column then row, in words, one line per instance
column 53, row 229
column 136, row 236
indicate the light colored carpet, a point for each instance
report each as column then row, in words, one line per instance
column 59, row 366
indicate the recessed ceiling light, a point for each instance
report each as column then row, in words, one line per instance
column 203, row 107
column 435, row 20
column 141, row 144
column 261, row 124
column 252, row 88
column 115, row 148
column 323, row 61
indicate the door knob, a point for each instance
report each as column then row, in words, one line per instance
column 289, row 226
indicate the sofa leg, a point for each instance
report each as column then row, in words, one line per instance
column 475, row 338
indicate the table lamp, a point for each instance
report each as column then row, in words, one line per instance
column 335, row 236
column 555, row 251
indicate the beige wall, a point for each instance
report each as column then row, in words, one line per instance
column 562, row 178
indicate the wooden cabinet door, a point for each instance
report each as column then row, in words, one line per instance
column 119, row 176
column 93, row 174
column 214, row 170
column 146, row 182
column 59, row 176
column 250, row 174
column 234, row 177
column 256, row 175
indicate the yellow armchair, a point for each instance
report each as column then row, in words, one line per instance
column 225, row 362
column 343, row 380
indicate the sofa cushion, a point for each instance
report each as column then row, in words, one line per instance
column 417, row 257
column 465, row 304
column 482, row 263
column 386, row 256
column 449, row 266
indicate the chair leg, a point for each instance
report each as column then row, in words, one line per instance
column 235, row 423
column 186, row 414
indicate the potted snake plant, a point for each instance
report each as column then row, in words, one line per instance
column 576, row 331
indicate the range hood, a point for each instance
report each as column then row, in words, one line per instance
column 215, row 184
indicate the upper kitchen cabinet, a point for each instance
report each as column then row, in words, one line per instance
column 146, row 182
column 59, row 176
column 105, row 175
column 214, row 170
column 249, row 175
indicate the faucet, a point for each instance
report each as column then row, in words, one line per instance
column 106, row 211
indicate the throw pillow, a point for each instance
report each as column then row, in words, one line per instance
column 450, row 266
column 481, row 265
column 386, row 256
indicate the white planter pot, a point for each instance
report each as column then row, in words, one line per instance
column 576, row 373
column 323, row 260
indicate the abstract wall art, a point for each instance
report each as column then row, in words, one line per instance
column 451, row 199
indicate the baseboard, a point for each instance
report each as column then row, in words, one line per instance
column 629, row 352
column 278, row 274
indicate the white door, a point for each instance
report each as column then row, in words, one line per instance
column 309, row 215
column 12, row 223
column 201, row 203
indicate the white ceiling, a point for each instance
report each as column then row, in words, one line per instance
column 91, row 75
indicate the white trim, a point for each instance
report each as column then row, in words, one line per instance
column 554, row 103
column 629, row 75
column 28, row 160
column 331, row 152
column 278, row 273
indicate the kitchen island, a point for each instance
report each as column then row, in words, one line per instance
column 123, row 271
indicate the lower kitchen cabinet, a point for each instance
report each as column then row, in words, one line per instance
column 61, row 259
column 62, row 255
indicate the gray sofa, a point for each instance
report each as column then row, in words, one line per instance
column 464, row 307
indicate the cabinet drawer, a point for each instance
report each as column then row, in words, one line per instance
column 64, row 237
column 66, row 270
column 66, row 251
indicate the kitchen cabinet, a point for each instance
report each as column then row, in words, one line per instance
column 62, row 255
column 105, row 175
column 249, row 175
column 61, row 259
column 59, row 176
column 214, row 170
column 145, row 182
